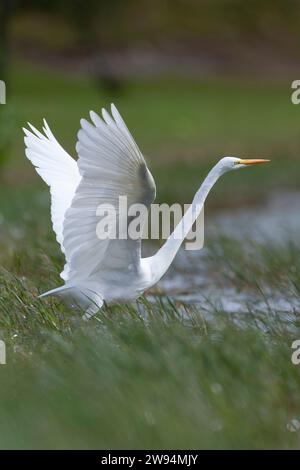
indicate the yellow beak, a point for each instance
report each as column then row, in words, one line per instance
column 252, row 161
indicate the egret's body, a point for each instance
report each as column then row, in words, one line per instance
column 110, row 165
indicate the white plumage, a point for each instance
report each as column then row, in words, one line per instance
column 57, row 169
column 110, row 165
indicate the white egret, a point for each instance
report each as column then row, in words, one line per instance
column 110, row 164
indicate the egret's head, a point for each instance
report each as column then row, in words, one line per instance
column 234, row 163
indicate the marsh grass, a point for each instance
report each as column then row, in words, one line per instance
column 257, row 265
column 130, row 381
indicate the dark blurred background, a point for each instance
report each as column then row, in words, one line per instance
column 194, row 79
column 115, row 40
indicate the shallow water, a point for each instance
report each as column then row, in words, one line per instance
column 189, row 280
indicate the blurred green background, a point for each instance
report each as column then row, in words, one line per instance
column 194, row 80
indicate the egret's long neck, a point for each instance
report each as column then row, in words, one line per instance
column 161, row 261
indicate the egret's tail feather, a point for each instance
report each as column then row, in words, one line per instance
column 78, row 297
column 58, row 292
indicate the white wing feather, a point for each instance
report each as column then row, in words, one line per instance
column 111, row 165
column 57, row 168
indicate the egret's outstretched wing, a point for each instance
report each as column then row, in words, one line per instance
column 57, row 168
column 111, row 165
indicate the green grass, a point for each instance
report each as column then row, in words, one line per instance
column 275, row 265
column 161, row 374
column 143, row 378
